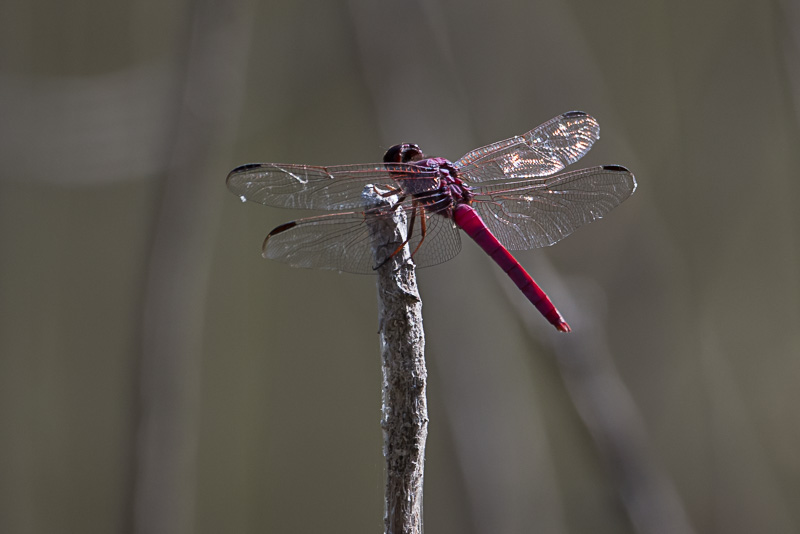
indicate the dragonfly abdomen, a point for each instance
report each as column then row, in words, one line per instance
column 468, row 220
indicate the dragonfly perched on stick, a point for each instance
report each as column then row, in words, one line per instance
column 505, row 196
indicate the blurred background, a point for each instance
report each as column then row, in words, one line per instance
column 157, row 375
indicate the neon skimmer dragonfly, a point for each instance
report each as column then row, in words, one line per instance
column 505, row 196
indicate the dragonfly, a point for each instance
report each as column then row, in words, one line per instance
column 510, row 195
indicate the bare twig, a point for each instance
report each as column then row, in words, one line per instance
column 405, row 411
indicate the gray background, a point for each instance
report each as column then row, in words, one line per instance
column 156, row 375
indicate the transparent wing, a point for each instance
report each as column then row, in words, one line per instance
column 343, row 242
column 324, row 188
column 539, row 212
column 542, row 151
column 437, row 243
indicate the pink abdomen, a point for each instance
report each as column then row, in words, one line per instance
column 468, row 220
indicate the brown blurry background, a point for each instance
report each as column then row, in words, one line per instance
column 157, row 375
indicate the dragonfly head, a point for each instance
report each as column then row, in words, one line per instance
column 405, row 153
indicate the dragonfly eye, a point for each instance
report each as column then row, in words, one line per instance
column 403, row 153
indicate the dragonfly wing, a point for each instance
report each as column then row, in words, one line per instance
column 543, row 151
column 343, row 242
column 333, row 188
column 441, row 240
column 338, row 241
column 540, row 212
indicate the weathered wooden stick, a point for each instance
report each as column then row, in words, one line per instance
column 405, row 410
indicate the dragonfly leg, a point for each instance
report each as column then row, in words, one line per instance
column 408, row 236
column 397, row 205
column 423, row 223
column 390, row 190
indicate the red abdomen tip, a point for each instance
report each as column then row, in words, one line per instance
column 563, row 327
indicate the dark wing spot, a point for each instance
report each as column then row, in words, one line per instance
column 615, row 168
column 277, row 230
column 282, row 228
column 574, row 114
column 241, row 169
column 246, row 167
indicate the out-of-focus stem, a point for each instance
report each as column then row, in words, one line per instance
column 608, row 410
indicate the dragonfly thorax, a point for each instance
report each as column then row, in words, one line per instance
column 452, row 190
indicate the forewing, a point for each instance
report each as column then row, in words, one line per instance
column 333, row 188
column 343, row 242
column 543, row 151
column 540, row 212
